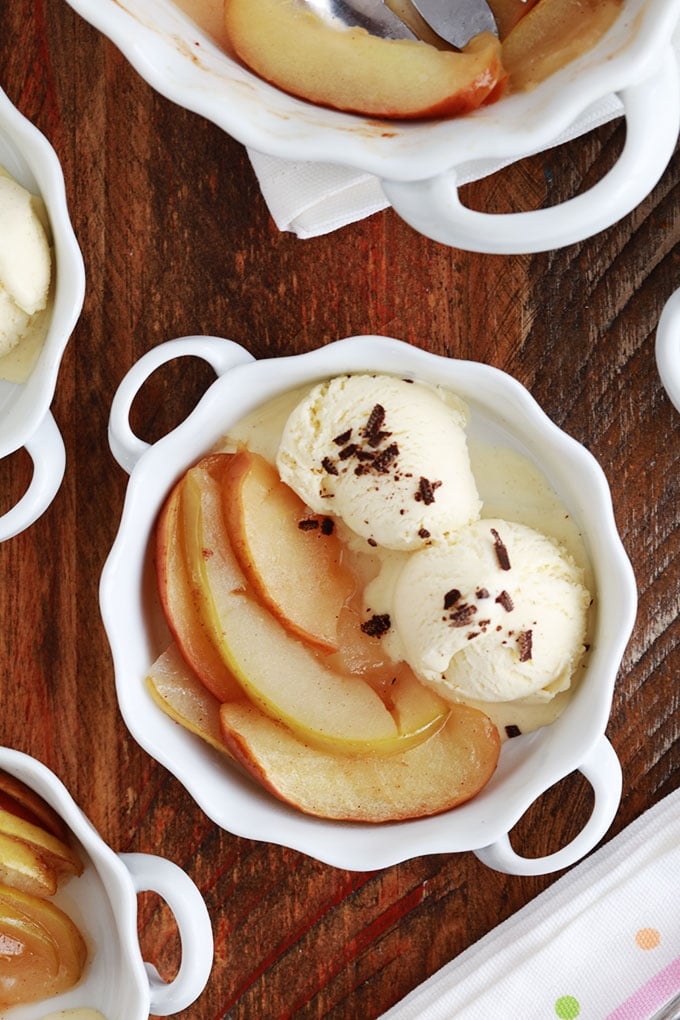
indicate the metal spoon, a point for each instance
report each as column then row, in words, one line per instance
column 373, row 15
column 455, row 21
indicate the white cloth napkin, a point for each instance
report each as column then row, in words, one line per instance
column 310, row 199
column 602, row 943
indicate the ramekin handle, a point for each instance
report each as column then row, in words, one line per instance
column 603, row 771
column 668, row 348
column 433, row 206
column 220, row 354
column 150, row 873
column 46, row 449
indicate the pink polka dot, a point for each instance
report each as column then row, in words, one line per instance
column 647, row 938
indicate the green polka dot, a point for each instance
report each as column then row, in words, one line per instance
column 567, row 1007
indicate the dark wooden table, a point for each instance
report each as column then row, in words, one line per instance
column 177, row 240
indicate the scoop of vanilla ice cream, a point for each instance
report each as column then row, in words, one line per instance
column 496, row 614
column 387, row 456
column 25, row 261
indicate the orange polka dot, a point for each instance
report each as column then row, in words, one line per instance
column 647, row 938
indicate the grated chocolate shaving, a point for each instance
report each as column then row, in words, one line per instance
column 426, row 490
column 348, row 451
column 524, row 643
column 482, row 593
column 451, row 598
column 329, row 466
column 505, row 600
column 383, row 460
column 372, row 430
column 513, row 731
column 343, row 438
column 422, row 532
column 501, row 551
column 327, row 526
column 378, row 625
column 462, row 616
column 308, row 524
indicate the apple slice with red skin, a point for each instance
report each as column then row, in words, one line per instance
column 178, row 598
column 279, row 673
column 290, row 556
column 38, row 810
column 438, row 774
column 291, row 47
column 46, row 952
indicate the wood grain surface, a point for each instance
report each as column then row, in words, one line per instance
column 177, row 240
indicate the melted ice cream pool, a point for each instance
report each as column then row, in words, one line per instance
column 79, row 1013
column 510, row 487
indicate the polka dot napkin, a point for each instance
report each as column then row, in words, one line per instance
column 310, row 199
column 602, row 943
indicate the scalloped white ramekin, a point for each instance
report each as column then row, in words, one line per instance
column 421, row 165
column 103, row 903
column 502, row 411
column 25, row 416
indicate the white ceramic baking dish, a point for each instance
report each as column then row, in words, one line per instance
column 667, row 347
column 25, row 417
column 502, row 412
column 103, row 903
column 422, row 164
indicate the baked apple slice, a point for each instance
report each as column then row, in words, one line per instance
column 437, row 774
column 508, row 12
column 179, row 601
column 290, row 556
column 55, row 852
column 182, row 696
column 22, row 797
column 22, row 867
column 552, row 34
column 290, row 46
column 47, row 952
